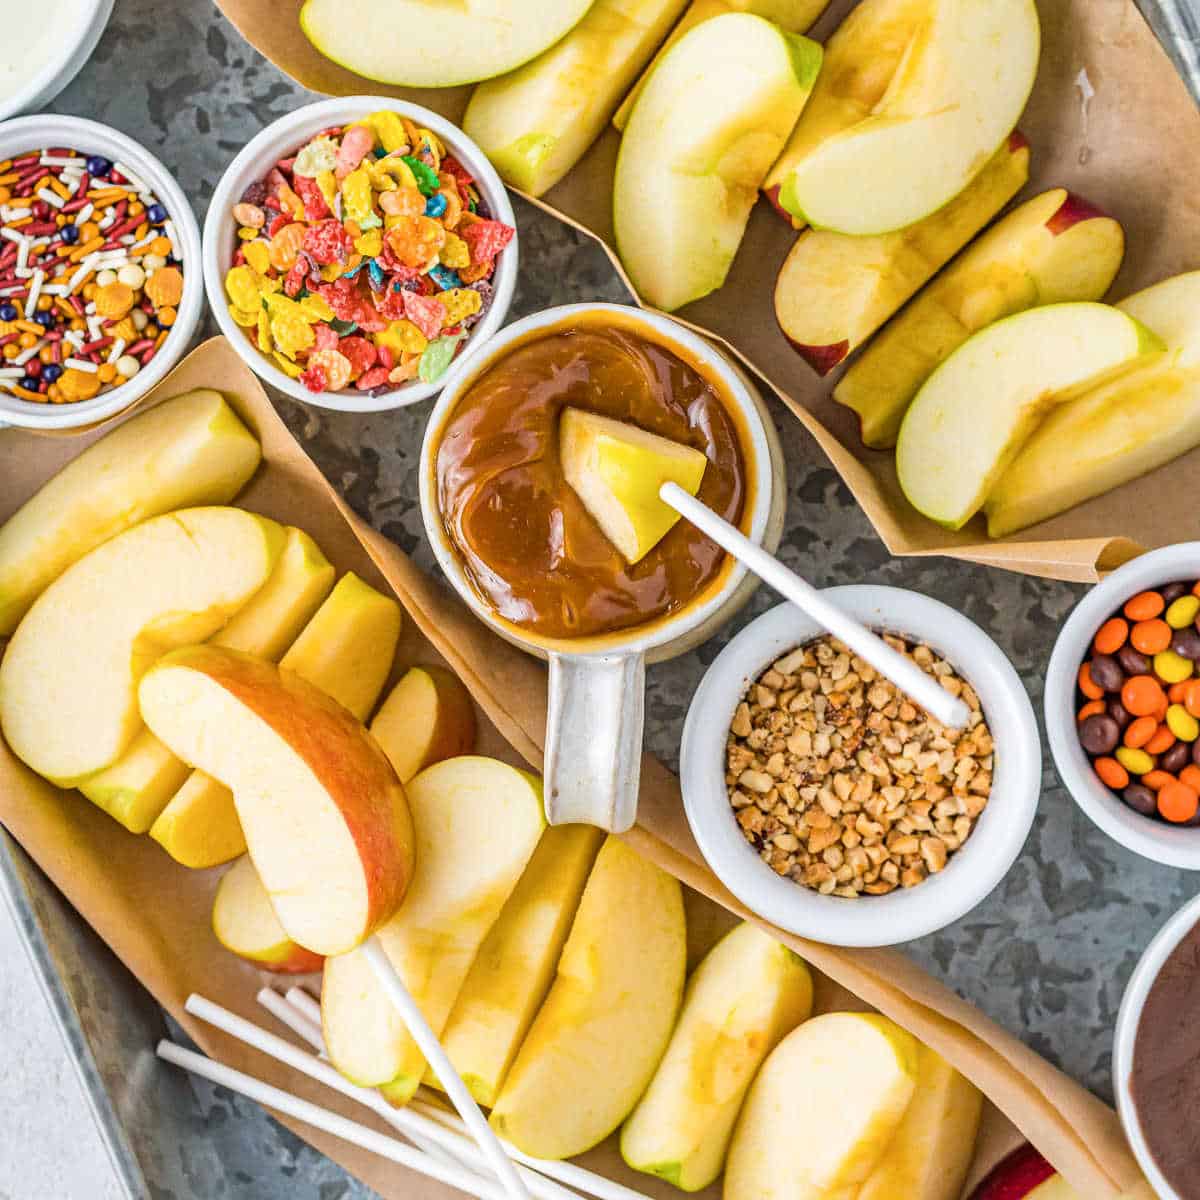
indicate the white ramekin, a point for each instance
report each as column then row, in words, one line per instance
column 89, row 137
column 74, row 49
column 1174, row 845
column 971, row 873
column 1125, row 1037
column 284, row 137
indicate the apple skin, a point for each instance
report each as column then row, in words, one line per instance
column 822, row 359
column 1016, row 1176
column 1073, row 210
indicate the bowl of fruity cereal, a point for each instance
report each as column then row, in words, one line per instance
column 356, row 250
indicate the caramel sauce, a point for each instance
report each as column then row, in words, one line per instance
column 530, row 548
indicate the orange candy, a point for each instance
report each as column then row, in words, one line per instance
column 1161, row 742
column 1178, row 802
column 1088, row 686
column 1092, row 708
column 1140, row 732
column 1111, row 773
column 1145, row 606
column 1151, row 637
column 1191, row 776
column 1177, row 692
column 1110, row 637
column 1155, row 780
column 1191, row 698
column 1142, row 695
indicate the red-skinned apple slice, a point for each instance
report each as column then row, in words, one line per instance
column 834, row 291
column 428, row 716
column 1024, row 1175
column 245, row 923
column 1053, row 248
column 325, row 818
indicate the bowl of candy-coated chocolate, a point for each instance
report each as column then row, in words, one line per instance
column 1122, row 705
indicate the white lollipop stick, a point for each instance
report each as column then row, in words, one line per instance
column 903, row 672
column 444, row 1069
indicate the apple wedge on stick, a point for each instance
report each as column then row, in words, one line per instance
column 324, row 815
column 68, row 681
column 477, row 822
column 747, row 994
column 957, row 91
column 617, row 470
column 512, row 973
column 793, row 16
column 428, row 716
column 139, row 785
column 974, row 413
column 834, row 291
column 708, row 124
column 432, row 43
column 188, row 451
column 1054, row 248
column 932, row 1149
column 537, row 122
column 823, row 1110
column 345, row 650
column 1116, row 431
column 598, row 1038
column 245, row 923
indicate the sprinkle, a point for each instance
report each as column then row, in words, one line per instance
column 52, row 198
column 31, row 352
column 35, row 289
column 133, row 180
column 84, row 213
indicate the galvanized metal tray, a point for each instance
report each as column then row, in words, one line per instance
column 171, row 1138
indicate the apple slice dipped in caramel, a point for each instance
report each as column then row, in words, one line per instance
column 1054, row 248
column 325, row 818
column 834, row 290
column 617, row 470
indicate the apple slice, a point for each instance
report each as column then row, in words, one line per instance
column 429, row 716
column 245, row 922
column 617, row 470
column 188, row 451
column 596, row 1041
column 747, row 994
column 537, row 122
column 138, row 786
column 512, row 973
column 794, row 16
column 1114, row 432
column 345, row 650
column 68, row 681
column 957, row 91
column 477, row 822
column 324, row 815
column 710, row 121
column 834, row 291
column 432, row 43
column 930, row 1155
column 974, row 413
column 1054, row 248
column 823, row 1110
column 1024, row 1175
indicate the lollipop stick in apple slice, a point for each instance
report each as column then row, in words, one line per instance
column 326, row 821
column 905, row 674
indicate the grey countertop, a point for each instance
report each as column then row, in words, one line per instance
column 1047, row 954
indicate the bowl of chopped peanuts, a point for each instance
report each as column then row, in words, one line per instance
column 829, row 803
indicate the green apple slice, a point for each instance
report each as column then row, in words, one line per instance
column 747, row 994
column 536, row 123
column 617, row 469
column 823, row 1110
column 710, row 121
column 1117, row 431
column 436, row 43
column 978, row 408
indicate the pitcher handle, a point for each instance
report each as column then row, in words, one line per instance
column 594, row 739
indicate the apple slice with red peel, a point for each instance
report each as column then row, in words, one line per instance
column 245, row 923
column 429, row 716
column 1053, row 248
column 834, row 291
column 324, row 815
column 976, row 411
column 1024, row 1175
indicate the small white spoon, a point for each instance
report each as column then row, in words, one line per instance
column 902, row 671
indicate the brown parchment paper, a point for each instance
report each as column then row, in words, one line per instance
column 155, row 914
column 1133, row 148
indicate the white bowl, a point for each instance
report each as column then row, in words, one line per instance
column 75, row 46
column 971, row 873
column 283, row 138
column 1176, row 846
column 1128, row 1018
column 90, row 137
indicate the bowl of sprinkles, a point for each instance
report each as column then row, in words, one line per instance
column 99, row 295
column 356, row 250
